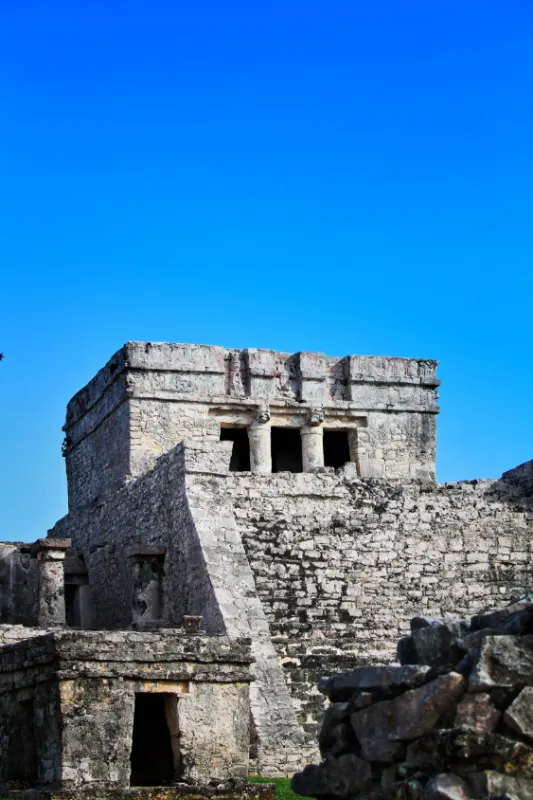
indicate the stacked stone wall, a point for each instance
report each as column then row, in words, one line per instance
column 341, row 564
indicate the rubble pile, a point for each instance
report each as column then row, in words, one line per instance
column 452, row 721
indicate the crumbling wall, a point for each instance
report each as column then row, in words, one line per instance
column 453, row 721
column 19, row 582
column 341, row 564
column 68, row 698
column 150, row 512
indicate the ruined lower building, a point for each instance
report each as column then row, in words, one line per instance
column 286, row 499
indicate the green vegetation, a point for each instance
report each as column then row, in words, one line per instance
column 283, row 787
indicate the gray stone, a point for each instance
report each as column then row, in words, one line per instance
column 495, row 784
column 502, row 662
column 519, row 715
column 518, row 615
column 476, row 711
column 436, row 644
column 345, row 776
column 410, row 715
column 342, row 687
column 484, row 750
column 446, row 786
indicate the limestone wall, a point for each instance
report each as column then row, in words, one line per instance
column 67, row 702
column 341, row 564
column 150, row 396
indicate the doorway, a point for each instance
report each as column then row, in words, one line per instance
column 154, row 760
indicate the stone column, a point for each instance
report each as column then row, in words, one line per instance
column 312, row 447
column 259, row 436
column 50, row 555
column 313, row 440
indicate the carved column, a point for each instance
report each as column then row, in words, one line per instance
column 51, row 555
column 259, row 436
column 313, row 440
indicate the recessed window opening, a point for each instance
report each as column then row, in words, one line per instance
column 154, row 757
column 240, row 455
column 286, row 450
column 336, row 448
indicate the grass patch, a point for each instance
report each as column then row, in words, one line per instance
column 283, row 787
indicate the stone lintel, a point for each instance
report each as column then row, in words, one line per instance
column 51, row 547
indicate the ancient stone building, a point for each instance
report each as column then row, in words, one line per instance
column 286, row 498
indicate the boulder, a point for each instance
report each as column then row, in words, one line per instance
column 446, row 786
column 515, row 619
column 433, row 641
column 483, row 750
column 476, row 711
column 343, row 686
column 495, row 784
column 410, row 715
column 502, row 662
column 519, row 715
column 342, row 777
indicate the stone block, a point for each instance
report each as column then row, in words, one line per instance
column 342, row 687
column 519, row 715
column 409, row 716
column 502, row 662
column 476, row 711
column 446, row 786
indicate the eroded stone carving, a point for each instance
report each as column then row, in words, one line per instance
column 263, row 413
column 316, row 416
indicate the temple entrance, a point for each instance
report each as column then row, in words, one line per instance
column 154, row 752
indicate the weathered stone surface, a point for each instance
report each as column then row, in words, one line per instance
column 336, row 735
column 502, row 662
column 321, row 569
column 446, row 786
column 485, row 750
column 342, row 687
column 75, row 694
column 436, row 644
column 519, row 715
column 476, row 711
column 515, row 619
column 497, row 785
column 406, row 717
column 345, row 776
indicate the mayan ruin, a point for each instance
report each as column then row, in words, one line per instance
column 243, row 525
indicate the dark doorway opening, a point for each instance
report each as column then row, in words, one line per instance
column 240, row 455
column 336, row 448
column 286, row 450
column 153, row 762
column 21, row 761
column 72, row 614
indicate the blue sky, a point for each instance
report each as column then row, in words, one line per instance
column 345, row 177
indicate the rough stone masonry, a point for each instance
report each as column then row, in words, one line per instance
column 286, row 498
column 452, row 721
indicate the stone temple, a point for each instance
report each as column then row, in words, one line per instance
column 284, row 504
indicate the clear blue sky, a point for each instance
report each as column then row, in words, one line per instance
column 349, row 177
